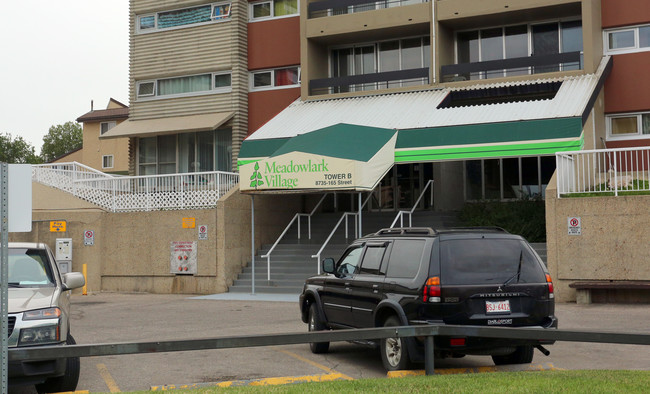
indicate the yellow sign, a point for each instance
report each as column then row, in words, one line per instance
column 189, row 222
column 57, row 226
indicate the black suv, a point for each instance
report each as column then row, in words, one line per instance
column 408, row 276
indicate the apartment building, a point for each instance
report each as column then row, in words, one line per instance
column 626, row 37
column 109, row 156
column 481, row 94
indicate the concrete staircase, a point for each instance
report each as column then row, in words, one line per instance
column 291, row 261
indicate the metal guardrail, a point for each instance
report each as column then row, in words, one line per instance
column 427, row 331
column 603, row 171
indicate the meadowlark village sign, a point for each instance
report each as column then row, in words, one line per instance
column 341, row 157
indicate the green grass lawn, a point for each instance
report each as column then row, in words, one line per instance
column 592, row 381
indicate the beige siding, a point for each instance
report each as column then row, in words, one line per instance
column 187, row 51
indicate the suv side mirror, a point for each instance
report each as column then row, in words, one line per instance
column 328, row 265
column 73, row 280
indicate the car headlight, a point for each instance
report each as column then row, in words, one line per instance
column 39, row 335
column 49, row 313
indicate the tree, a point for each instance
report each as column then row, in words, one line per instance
column 61, row 139
column 17, row 150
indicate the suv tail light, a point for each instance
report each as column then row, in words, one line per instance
column 431, row 292
column 549, row 281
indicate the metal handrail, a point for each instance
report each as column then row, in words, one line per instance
column 400, row 214
column 297, row 216
column 336, row 226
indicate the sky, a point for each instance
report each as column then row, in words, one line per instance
column 57, row 56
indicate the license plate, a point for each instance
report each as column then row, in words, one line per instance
column 497, row 306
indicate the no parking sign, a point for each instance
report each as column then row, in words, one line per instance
column 89, row 238
column 575, row 225
column 203, row 232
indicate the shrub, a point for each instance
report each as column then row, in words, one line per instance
column 523, row 217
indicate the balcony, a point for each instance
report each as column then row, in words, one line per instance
column 324, row 8
column 512, row 67
column 374, row 81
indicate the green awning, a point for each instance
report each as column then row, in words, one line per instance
column 489, row 140
column 338, row 157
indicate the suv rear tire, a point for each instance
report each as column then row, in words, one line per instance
column 394, row 352
column 68, row 381
column 523, row 355
column 316, row 324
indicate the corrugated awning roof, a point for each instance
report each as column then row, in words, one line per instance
column 168, row 125
column 416, row 110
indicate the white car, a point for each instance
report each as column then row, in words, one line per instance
column 39, row 314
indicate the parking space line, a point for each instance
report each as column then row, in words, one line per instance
column 254, row 382
column 453, row 371
column 315, row 364
column 108, row 379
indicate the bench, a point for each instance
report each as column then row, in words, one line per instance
column 584, row 289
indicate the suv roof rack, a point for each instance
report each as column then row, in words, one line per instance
column 406, row 231
column 477, row 228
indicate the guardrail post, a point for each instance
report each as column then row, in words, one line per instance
column 428, row 355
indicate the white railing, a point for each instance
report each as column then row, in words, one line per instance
column 604, row 171
column 345, row 216
column 296, row 217
column 401, row 214
column 137, row 193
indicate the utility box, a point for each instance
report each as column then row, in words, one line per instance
column 63, row 254
column 183, row 258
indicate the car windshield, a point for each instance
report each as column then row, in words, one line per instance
column 488, row 261
column 29, row 268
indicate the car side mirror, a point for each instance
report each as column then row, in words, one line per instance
column 73, row 280
column 328, row 265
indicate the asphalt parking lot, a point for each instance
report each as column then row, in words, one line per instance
column 111, row 317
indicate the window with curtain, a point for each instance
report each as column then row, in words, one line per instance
column 276, row 78
column 629, row 125
column 273, row 9
column 183, row 17
column 219, row 82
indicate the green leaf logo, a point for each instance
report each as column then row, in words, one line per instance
column 256, row 178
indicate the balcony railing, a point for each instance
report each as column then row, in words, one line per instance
column 510, row 67
column 603, row 172
column 374, row 81
column 319, row 9
column 137, row 193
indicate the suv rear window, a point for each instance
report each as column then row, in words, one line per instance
column 488, row 261
column 405, row 258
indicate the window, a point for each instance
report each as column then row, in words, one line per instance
column 273, row 9
column 372, row 259
column 628, row 126
column 187, row 152
column 510, row 42
column 107, row 161
column 348, row 263
column 276, row 78
column 185, row 86
column 183, row 17
column 105, row 126
column 393, row 55
column 508, row 178
column 405, row 258
column 627, row 40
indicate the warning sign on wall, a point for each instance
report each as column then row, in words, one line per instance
column 575, row 225
column 203, row 232
column 183, row 257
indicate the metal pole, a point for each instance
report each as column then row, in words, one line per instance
column 4, row 273
column 360, row 233
column 428, row 355
column 253, row 243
